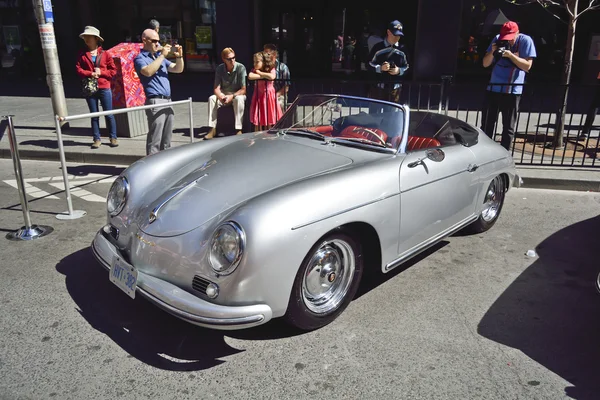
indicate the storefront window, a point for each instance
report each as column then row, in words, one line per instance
column 10, row 33
column 200, row 46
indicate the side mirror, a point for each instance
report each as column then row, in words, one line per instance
column 436, row 155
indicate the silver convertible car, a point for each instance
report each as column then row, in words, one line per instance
column 233, row 232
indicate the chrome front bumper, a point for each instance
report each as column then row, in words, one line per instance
column 181, row 303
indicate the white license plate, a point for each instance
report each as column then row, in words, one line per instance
column 124, row 276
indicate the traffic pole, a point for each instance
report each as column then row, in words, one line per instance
column 45, row 19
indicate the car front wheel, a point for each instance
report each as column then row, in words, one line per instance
column 326, row 282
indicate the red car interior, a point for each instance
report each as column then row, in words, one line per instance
column 372, row 134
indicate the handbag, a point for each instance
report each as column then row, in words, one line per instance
column 89, row 86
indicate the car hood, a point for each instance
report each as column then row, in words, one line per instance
column 231, row 175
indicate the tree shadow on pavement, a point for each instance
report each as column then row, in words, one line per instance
column 53, row 144
column 142, row 329
column 551, row 312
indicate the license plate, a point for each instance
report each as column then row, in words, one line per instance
column 124, row 276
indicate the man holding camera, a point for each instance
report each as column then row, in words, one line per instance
column 387, row 62
column 511, row 53
column 153, row 70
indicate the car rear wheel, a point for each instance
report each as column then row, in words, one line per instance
column 492, row 206
column 326, row 282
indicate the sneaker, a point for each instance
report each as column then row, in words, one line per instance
column 239, row 133
column 114, row 142
column 96, row 144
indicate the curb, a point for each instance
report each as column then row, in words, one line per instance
column 82, row 158
column 579, row 185
column 561, row 184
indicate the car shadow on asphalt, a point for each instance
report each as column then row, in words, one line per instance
column 551, row 312
column 373, row 277
column 145, row 331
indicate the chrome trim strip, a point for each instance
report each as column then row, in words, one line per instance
column 490, row 162
column 344, row 211
column 198, row 319
column 154, row 214
column 425, row 245
column 404, row 142
column 436, row 180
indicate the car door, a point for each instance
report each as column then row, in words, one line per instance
column 436, row 193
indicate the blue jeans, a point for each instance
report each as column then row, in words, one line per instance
column 105, row 97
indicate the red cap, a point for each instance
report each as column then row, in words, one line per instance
column 508, row 31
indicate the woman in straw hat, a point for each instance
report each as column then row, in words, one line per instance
column 96, row 68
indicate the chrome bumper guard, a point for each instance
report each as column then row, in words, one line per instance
column 181, row 303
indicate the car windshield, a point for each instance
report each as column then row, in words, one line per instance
column 347, row 120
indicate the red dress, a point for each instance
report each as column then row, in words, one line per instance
column 264, row 109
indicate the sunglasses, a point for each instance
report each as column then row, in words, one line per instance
column 230, row 58
column 155, row 40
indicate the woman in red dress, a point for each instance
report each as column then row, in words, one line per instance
column 264, row 109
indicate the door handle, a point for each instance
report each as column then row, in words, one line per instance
column 472, row 167
column 415, row 163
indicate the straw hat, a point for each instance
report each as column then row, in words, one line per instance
column 90, row 30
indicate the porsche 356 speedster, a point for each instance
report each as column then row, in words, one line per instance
column 233, row 232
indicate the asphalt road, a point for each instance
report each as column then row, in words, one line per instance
column 474, row 318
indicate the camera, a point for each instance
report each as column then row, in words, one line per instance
column 392, row 65
column 501, row 47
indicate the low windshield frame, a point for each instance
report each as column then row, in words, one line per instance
column 342, row 116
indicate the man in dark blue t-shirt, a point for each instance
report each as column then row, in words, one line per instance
column 515, row 58
column 153, row 70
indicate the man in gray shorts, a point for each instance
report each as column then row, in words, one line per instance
column 229, row 89
column 153, row 70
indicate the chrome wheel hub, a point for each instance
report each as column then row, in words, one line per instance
column 328, row 276
column 493, row 198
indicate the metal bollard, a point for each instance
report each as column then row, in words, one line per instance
column 191, row 122
column 72, row 214
column 29, row 231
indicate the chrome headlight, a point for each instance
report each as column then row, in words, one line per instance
column 226, row 248
column 117, row 196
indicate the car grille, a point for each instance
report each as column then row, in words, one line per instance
column 199, row 284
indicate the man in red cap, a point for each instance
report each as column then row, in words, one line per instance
column 511, row 53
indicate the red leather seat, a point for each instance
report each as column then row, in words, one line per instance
column 416, row 143
column 326, row 130
column 372, row 134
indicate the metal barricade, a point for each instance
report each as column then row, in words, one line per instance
column 29, row 231
column 74, row 214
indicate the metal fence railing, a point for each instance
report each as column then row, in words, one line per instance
column 539, row 106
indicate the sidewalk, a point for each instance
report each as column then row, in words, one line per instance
column 36, row 135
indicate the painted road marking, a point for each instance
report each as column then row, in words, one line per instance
column 75, row 184
column 31, row 190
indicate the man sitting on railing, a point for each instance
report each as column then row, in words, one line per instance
column 229, row 90
column 153, row 70
column 511, row 53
